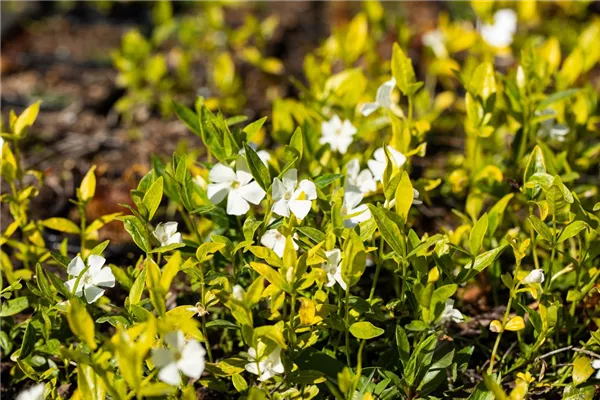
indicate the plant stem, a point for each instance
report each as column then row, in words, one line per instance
column 497, row 343
column 377, row 270
column 347, row 324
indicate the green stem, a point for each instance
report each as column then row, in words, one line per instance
column 347, row 324
column 377, row 270
column 551, row 266
column 203, row 319
column 533, row 244
column 504, row 321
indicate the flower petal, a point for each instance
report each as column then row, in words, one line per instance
column 352, row 197
column 300, row 208
column 277, row 189
column 192, row 360
column 252, row 192
column 242, row 171
column 290, row 179
column 309, row 189
column 281, row 207
column 92, row 293
column 175, row 340
column 70, row 283
column 104, row 277
column 162, row 357
column 221, row 173
column 75, row 266
column 170, row 374
column 217, row 192
column 353, row 169
column 95, row 263
column 368, row 108
column 236, row 205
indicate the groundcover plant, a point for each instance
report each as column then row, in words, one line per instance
column 299, row 266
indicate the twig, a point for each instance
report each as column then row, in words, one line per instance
column 577, row 349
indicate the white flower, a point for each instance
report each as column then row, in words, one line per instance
column 187, row 357
column 377, row 166
column 166, row 233
column 198, row 309
column 436, row 41
column 333, row 268
column 549, row 129
column 500, row 33
column 262, row 154
column 268, row 365
column 237, row 185
column 35, row 392
column 337, row 134
column 275, row 240
column 535, row 276
column 363, row 180
column 416, row 195
column 238, row 292
column 595, row 365
column 95, row 276
column 351, row 207
column 451, row 313
column 289, row 198
column 383, row 99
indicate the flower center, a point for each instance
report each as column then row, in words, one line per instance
column 288, row 195
column 235, row 185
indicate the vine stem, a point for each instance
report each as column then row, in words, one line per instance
column 504, row 320
column 347, row 323
column 377, row 270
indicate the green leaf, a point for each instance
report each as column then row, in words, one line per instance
column 388, row 229
column 271, row 275
column 258, row 169
column 535, row 164
column 355, row 259
column 402, row 70
column 365, row 330
column 494, row 387
column 571, row 230
column 14, row 306
column 556, row 97
column 61, row 225
column 486, row 259
column 137, row 230
column 540, row 227
column 239, row 383
column 188, row 117
column 27, row 118
column 482, row 82
column 153, row 197
column 253, row 128
column 266, row 254
column 478, row 234
column 81, row 323
column 157, row 389
column 137, row 288
column 28, row 341
column 497, row 213
column 404, row 196
column 157, row 294
column 326, row 180
column 87, row 189
column 297, row 142
column 402, row 344
column 582, row 370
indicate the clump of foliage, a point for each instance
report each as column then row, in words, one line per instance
column 183, row 52
column 306, row 270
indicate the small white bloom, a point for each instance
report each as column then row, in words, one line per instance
column 549, row 129
column 166, row 233
column 383, row 99
column 200, row 182
column 377, row 165
column 436, row 41
column 337, row 134
column 333, row 268
column 187, row 357
column 291, row 196
column 238, row 186
column 351, row 206
column 238, row 292
column 535, row 276
column 596, row 365
column 275, row 240
column 416, row 195
column 363, row 180
column 500, row 33
column 93, row 278
column 451, row 313
column 35, row 392
column 266, row 366
column 198, row 309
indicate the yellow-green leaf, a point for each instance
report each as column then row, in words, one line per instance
column 81, row 323
column 365, row 330
column 404, row 196
column 153, row 197
column 582, row 370
column 87, row 189
column 61, row 225
column 515, row 324
column 27, row 118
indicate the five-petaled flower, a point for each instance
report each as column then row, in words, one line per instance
column 352, row 211
column 166, row 233
column 500, row 33
column 90, row 278
column 333, row 269
column 363, row 180
column 383, row 99
column 275, row 240
column 238, row 186
column 264, row 365
column 35, row 392
column 535, row 276
column 291, row 196
column 337, row 134
column 187, row 357
column 377, row 165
